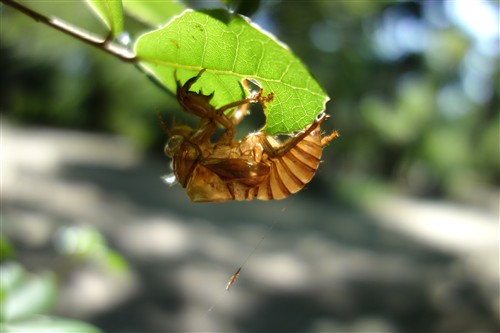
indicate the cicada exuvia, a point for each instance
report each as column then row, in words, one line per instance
column 259, row 166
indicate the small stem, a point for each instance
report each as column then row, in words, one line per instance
column 76, row 32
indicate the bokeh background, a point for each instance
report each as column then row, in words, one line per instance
column 398, row 232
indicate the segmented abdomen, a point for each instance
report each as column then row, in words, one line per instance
column 290, row 172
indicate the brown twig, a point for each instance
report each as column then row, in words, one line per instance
column 103, row 44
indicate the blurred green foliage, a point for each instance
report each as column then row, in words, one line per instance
column 6, row 249
column 110, row 12
column 86, row 244
column 27, row 299
column 414, row 88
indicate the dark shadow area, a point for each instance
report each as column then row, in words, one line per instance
column 155, row 306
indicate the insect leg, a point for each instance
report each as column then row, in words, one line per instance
column 163, row 124
column 327, row 139
column 277, row 152
column 230, row 121
column 183, row 89
column 230, row 187
column 247, row 100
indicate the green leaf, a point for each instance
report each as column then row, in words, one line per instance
column 115, row 262
column 12, row 275
column 111, row 12
column 231, row 49
column 35, row 295
column 49, row 324
column 84, row 241
column 6, row 249
column 153, row 13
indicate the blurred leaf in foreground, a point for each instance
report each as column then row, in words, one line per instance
column 26, row 298
column 110, row 12
column 48, row 324
column 86, row 243
column 153, row 13
column 30, row 295
column 6, row 249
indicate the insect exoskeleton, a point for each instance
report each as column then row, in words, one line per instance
column 198, row 104
column 257, row 167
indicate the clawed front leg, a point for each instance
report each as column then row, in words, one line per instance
column 199, row 104
column 183, row 89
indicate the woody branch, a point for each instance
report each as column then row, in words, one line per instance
column 88, row 38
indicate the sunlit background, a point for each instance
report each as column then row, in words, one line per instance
column 398, row 232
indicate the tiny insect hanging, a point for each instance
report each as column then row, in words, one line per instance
column 257, row 167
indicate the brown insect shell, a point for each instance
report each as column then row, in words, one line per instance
column 184, row 154
column 197, row 104
column 278, row 173
column 204, row 185
column 250, row 148
column 257, row 167
column 192, row 102
column 292, row 166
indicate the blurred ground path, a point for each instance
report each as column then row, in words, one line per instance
column 396, row 265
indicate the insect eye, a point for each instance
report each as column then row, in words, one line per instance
column 173, row 145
